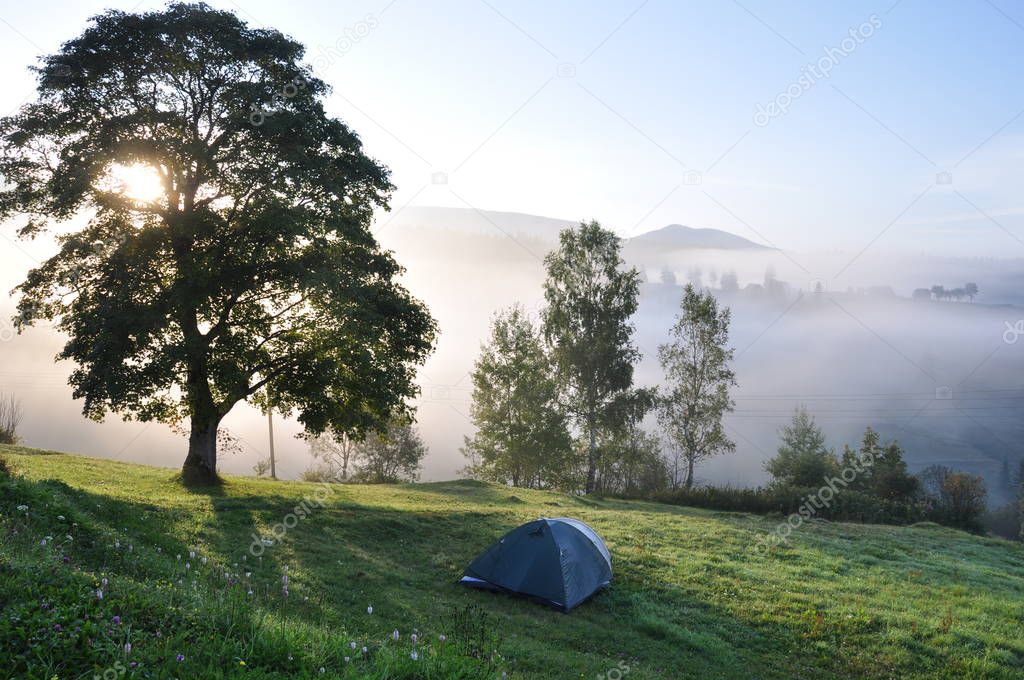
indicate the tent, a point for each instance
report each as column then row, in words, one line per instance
column 559, row 561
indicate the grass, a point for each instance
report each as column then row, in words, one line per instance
column 691, row 597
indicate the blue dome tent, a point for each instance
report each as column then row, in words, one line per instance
column 559, row 561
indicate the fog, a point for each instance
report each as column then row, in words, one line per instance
column 836, row 332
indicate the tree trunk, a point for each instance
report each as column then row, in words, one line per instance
column 592, row 457
column 689, row 473
column 201, row 462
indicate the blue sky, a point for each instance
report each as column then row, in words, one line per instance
column 643, row 113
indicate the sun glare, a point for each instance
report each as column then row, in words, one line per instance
column 139, row 182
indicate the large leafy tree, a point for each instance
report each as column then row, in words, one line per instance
column 392, row 455
column 698, row 378
column 590, row 299
column 521, row 435
column 249, row 273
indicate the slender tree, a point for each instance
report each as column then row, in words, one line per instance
column 698, row 378
column 247, row 268
column 590, row 298
column 521, row 436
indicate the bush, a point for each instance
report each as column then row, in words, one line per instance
column 954, row 498
column 10, row 418
column 1004, row 522
column 831, row 503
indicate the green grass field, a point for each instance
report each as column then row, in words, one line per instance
column 691, row 597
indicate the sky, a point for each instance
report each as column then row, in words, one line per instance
column 828, row 127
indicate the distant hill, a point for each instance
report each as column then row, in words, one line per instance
column 494, row 222
column 676, row 236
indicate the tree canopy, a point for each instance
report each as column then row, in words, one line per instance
column 250, row 273
column 590, row 299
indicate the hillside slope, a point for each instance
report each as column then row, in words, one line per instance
column 691, row 598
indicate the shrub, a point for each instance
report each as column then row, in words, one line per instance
column 10, row 417
column 835, row 503
column 954, row 498
column 1004, row 521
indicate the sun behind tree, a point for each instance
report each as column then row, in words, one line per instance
column 228, row 255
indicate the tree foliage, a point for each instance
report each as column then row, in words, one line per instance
column 394, row 455
column 590, row 298
column 522, row 437
column 802, row 459
column 252, row 275
column 698, row 378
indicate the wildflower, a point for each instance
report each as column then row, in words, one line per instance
column 248, row 574
column 116, row 620
column 57, row 627
column 127, row 648
column 179, row 658
column 117, row 544
column 352, row 645
column 22, row 508
column 188, row 565
column 395, row 635
column 202, row 560
column 414, row 637
column 369, row 610
column 347, row 659
column 68, row 538
column 442, row 637
column 103, row 582
column 178, row 557
column 284, row 592
column 133, row 664
column 43, row 543
column 191, row 554
column 99, row 594
column 322, row 669
column 250, row 591
column 284, row 580
column 60, row 517
column 414, row 655
column 364, row 650
column 241, row 662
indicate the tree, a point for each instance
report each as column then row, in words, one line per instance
column 262, row 467
column 668, row 277
column 248, row 272
column 970, row 290
column 522, row 437
column 11, row 414
column 938, row 291
column 921, row 294
column 590, row 299
column 394, row 455
column 630, row 458
column 802, row 458
column 698, row 377
column 964, row 495
column 335, row 453
column 730, row 283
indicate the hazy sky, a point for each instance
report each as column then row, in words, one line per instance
column 644, row 113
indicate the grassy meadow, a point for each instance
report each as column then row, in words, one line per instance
column 691, row 597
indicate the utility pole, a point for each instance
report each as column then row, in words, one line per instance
column 270, row 427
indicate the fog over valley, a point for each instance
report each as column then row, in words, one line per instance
column 837, row 332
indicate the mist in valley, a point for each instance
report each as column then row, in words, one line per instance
column 836, row 333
